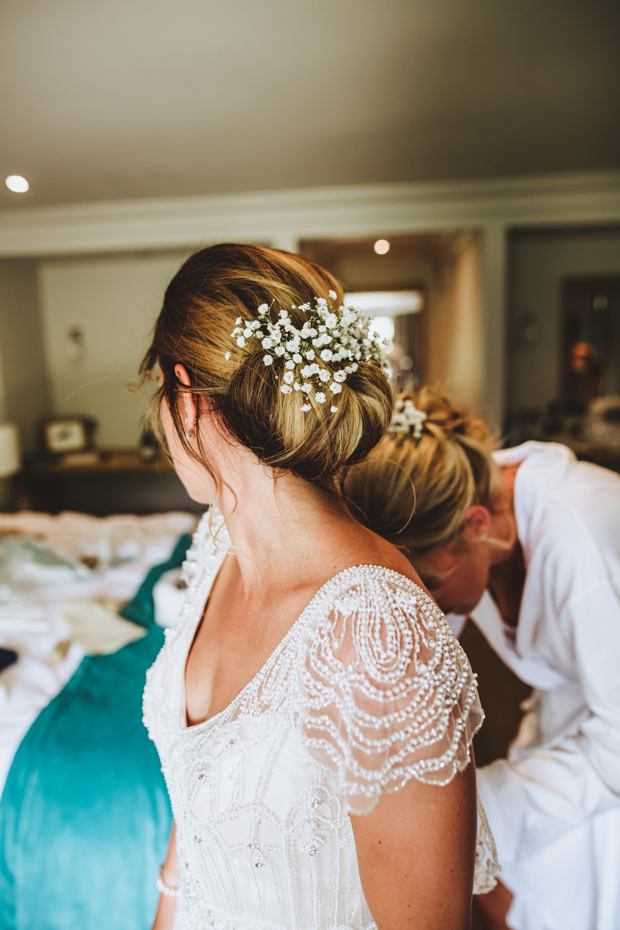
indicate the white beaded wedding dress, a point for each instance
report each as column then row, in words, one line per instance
column 368, row 689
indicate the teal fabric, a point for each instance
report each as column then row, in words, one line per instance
column 84, row 816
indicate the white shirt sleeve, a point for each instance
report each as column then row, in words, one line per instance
column 536, row 800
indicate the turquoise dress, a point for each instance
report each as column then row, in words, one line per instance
column 84, row 816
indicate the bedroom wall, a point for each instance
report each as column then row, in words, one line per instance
column 24, row 386
column 494, row 207
column 455, row 324
column 539, row 260
column 112, row 301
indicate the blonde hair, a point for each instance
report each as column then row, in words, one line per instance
column 415, row 492
column 202, row 302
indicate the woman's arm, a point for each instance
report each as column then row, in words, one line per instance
column 534, row 801
column 416, row 855
column 164, row 917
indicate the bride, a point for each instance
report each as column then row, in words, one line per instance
column 312, row 710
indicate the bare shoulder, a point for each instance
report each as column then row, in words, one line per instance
column 356, row 545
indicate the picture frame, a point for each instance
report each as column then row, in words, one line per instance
column 68, row 434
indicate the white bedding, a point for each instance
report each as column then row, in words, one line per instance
column 120, row 550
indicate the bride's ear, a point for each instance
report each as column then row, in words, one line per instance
column 187, row 400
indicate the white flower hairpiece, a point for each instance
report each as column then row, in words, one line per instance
column 407, row 418
column 336, row 337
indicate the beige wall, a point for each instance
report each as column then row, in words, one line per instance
column 492, row 206
column 455, row 325
column 114, row 300
column 24, row 388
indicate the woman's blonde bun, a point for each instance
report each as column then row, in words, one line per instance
column 415, row 491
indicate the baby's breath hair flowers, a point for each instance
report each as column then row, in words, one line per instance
column 319, row 357
column 407, row 418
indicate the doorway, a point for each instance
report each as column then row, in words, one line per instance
column 427, row 293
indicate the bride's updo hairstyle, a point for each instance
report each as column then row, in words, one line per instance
column 202, row 304
column 416, row 487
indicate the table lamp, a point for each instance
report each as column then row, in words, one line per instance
column 9, row 464
column 9, row 450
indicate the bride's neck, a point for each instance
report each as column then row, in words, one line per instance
column 274, row 522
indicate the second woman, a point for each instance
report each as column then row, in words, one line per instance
column 527, row 542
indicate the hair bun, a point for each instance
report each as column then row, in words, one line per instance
column 310, row 443
column 225, row 287
column 447, row 420
column 414, row 490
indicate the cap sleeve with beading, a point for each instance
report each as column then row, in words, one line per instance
column 387, row 693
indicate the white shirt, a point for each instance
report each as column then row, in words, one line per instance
column 564, row 769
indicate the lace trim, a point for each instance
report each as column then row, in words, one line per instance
column 203, row 544
column 387, row 692
column 487, row 865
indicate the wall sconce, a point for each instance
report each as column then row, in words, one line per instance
column 75, row 345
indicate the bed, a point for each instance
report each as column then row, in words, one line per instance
column 84, row 814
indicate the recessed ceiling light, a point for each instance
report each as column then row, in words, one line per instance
column 381, row 246
column 17, row 184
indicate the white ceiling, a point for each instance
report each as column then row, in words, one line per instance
column 111, row 99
